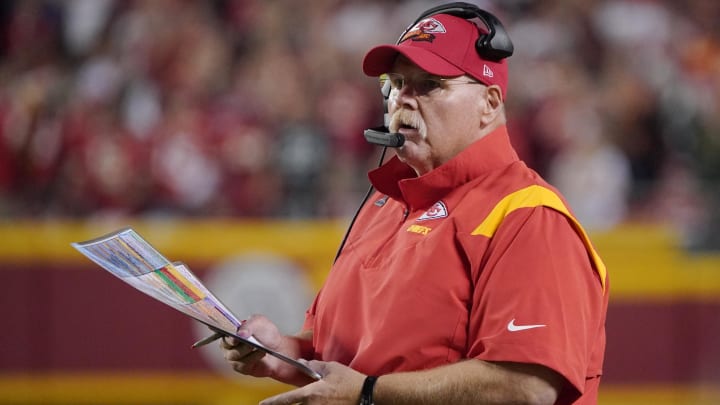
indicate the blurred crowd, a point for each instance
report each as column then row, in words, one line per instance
column 255, row 108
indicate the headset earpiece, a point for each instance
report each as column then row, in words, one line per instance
column 495, row 45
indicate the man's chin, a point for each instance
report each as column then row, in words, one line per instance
column 410, row 154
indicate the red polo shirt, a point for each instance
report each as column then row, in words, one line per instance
column 480, row 258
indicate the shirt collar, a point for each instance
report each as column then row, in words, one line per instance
column 399, row 181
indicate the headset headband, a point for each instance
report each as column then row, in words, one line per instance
column 495, row 45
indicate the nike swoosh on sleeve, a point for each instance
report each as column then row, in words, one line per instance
column 515, row 328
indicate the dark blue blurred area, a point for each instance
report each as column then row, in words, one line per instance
column 255, row 109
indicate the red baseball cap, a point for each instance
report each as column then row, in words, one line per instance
column 442, row 45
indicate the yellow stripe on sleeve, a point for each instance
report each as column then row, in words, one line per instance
column 536, row 196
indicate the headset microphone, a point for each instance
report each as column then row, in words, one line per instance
column 380, row 136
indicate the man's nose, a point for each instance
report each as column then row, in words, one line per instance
column 405, row 97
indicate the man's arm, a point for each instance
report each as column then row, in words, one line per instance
column 471, row 382
column 468, row 382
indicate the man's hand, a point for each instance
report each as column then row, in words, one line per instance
column 248, row 360
column 340, row 385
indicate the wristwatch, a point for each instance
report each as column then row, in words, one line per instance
column 366, row 395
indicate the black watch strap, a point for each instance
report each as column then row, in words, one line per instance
column 366, row 395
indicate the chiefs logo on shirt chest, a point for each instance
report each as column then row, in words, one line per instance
column 437, row 211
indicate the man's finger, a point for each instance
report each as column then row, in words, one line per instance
column 229, row 342
column 253, row 356
column 240, row 353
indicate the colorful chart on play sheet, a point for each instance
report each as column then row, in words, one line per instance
column 131, row 258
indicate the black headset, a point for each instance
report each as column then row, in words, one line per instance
column 495, row 45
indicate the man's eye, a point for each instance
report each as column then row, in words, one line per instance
column 427, row 85
column 397, row 82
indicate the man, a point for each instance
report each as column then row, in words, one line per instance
column 465, row 279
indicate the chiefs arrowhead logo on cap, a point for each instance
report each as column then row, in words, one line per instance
column 425, row 30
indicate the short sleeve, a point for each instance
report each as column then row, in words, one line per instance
column 537, row 297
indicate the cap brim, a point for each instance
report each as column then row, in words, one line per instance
column 380, row 60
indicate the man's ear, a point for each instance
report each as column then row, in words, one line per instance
column 493, row 104
column 494, row 97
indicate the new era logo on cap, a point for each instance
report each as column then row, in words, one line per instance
column 487, row 71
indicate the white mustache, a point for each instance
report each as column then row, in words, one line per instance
column 409, row 118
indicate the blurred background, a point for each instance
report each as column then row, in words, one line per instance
column 229, row 134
